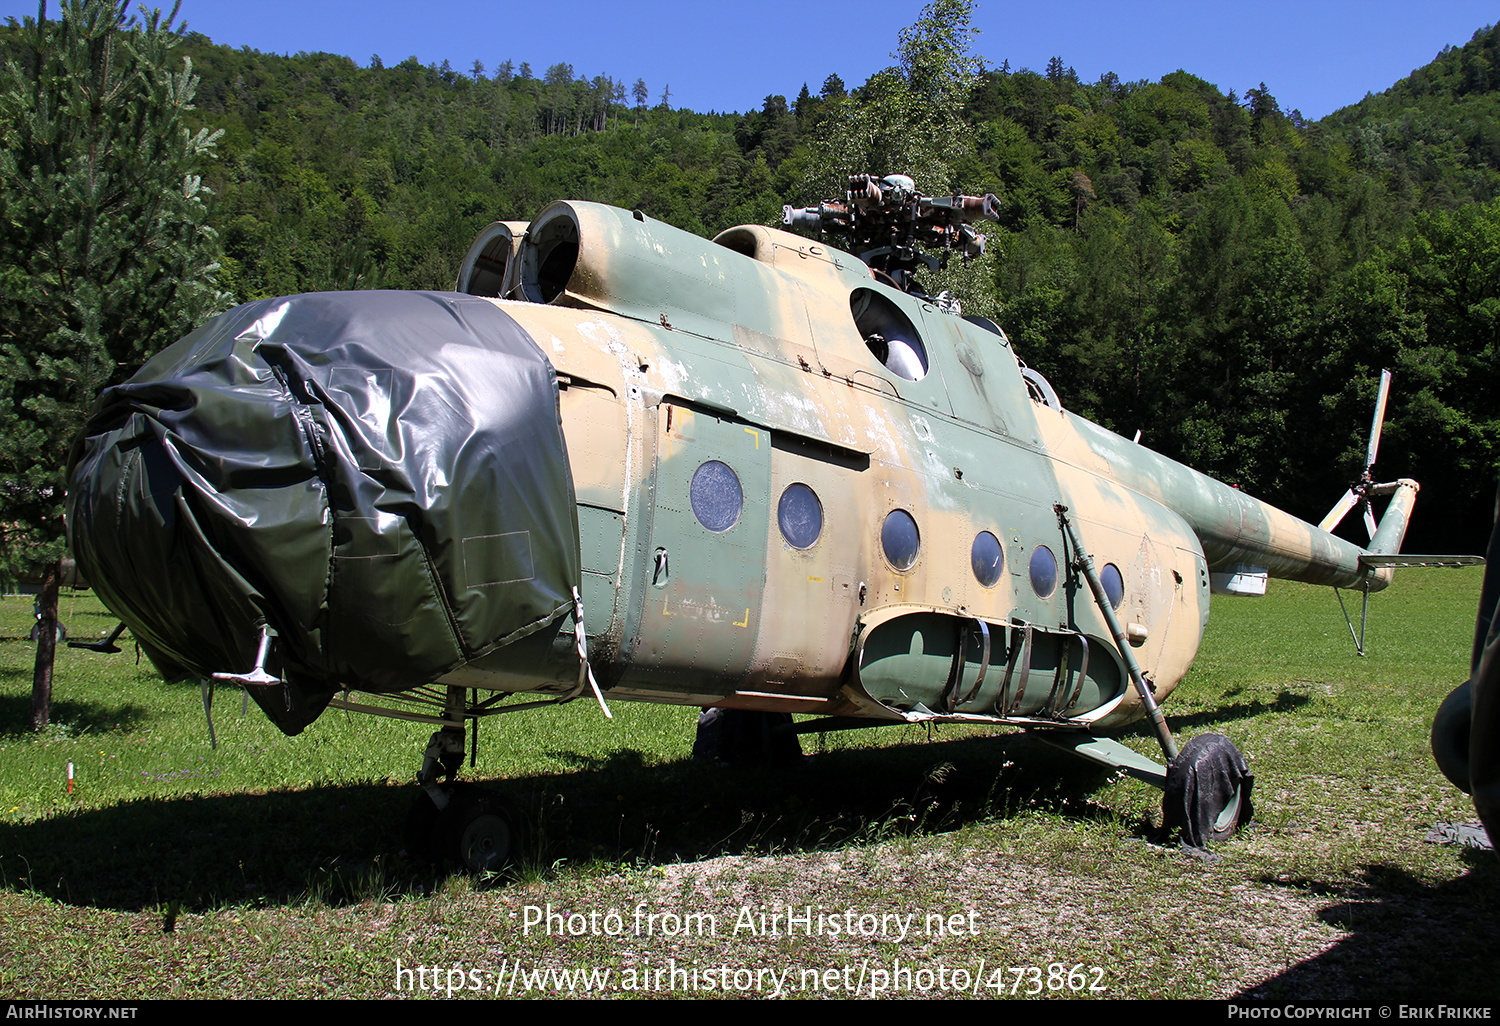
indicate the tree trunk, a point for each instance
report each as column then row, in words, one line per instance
column 46, row 648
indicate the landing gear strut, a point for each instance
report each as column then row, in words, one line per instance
column 480, row 831
column 1206, row 788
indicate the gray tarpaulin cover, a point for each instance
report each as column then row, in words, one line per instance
column 379, row 476
column 1207, row 775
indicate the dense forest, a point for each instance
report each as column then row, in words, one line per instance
column 1221, row 274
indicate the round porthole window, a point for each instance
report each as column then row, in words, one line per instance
column 716, row 496
column 1114, row 584
column 987, row 558
column 800, row 516
column 1043, row 571
column 899, row 539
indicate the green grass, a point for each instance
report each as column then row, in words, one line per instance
column 278, row 860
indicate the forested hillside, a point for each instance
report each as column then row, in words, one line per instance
column 1230, row 279
column 1210, row 269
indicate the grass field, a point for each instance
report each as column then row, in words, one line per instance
column 272, row 866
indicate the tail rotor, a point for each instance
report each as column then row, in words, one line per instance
column 1360, row 493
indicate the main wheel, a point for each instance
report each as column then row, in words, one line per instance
column 1450, row 735
column 1207, row 797
column 62, row 631
column 482, row 831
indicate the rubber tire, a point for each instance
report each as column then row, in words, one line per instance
column 1223, row 821
column 481, row 831
column 420, row 830
column 62, row 631
column 1450, row 735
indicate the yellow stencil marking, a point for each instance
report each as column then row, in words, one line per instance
column 746, row 620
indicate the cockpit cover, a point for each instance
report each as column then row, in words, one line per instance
column 380, row 477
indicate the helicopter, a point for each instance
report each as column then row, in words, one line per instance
column 1468, row 720
column 757, row 473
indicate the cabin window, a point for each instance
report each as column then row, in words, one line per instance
column 987, row 558
column 800, row 515
column 900, row 539
column 889, row 334
column 1043, row 571
column 716, row 495
column 1114, row 584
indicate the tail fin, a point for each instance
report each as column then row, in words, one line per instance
column 1392, row 530
column 1387, row 538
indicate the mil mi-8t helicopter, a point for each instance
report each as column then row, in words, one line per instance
column 624, row 462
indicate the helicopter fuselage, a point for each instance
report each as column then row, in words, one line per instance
column 777, row 512
column 797, row 489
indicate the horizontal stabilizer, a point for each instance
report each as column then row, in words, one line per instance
column 1400, row 560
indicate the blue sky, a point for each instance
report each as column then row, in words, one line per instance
column 1315, row 55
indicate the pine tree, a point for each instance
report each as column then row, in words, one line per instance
column 639, row 92
column 105, row 254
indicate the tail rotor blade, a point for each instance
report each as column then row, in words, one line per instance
column 1340, row 508
column 1385, row 388
column 1370, row 521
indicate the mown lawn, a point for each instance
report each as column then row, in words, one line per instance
column 277, row 862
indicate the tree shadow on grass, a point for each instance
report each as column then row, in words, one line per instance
column 1409, row 939
column 68, row 718
column 1285, row 702
column 344, row 844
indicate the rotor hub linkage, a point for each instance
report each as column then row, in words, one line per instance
column 888, row 224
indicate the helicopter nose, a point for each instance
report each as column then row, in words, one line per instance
column 195, row 510
column 378, row 478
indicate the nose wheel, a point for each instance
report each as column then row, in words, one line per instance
column 478, row 830
column 484, row 831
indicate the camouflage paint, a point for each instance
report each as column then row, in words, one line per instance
column 673, row 352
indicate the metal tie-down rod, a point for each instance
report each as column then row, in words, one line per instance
column 1085, row 563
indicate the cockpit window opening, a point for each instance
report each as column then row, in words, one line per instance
column 1039, row 389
